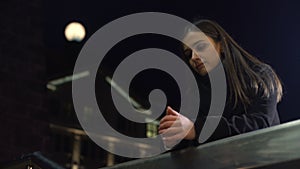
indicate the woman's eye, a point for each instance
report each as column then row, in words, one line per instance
column 201, row 46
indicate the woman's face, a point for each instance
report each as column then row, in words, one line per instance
column 204, row 55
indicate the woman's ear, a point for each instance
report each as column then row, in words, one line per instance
column 223, row 48
column 222, row 52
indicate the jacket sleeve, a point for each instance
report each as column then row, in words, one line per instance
column 260, row 114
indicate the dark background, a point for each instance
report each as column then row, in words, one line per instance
column 33, row 51
column 268, row 30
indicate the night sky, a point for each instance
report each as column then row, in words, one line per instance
column 267, row 29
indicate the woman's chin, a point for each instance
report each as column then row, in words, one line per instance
column 202, row 72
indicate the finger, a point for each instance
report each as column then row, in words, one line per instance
column 170, row 144
column 170, row 131
column 168, row 118
column 176, row 137
column 170, row 111
column 168, row 124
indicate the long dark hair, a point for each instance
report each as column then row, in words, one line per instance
column 241, row 68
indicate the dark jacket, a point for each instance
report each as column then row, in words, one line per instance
column 261, row 113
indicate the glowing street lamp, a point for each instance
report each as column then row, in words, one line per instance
column 75, row 31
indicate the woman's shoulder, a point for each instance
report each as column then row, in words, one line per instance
column 263, row 69
column 265, row 84
column 264, row 74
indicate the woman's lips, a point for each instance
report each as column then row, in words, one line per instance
column 200, row 66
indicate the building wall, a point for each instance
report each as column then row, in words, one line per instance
column 23, row 77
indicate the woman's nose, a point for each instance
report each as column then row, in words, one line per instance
column 195, row 56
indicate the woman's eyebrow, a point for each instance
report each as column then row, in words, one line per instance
column 186, row 48
column 197, row 42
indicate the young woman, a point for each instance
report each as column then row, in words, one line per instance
column 253, row 88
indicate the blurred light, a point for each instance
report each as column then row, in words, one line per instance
column 75, row 166
column 151, row 130
column 52, row 85
column 150, row 120
column 74, row 31
column 127, row 97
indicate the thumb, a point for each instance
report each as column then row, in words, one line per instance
column 170, row 111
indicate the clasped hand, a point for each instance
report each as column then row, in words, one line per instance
column 174, row 127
